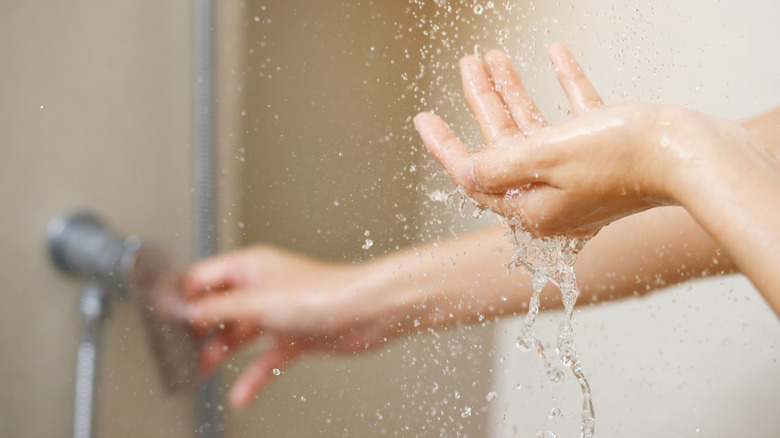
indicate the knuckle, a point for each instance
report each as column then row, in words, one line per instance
column 592, row 102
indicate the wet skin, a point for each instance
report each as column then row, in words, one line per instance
column 610, row 162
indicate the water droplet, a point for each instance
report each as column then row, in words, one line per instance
column 492, row 395
column 555, row 412
column 478, row 9
column 555, row 375
column 524, row 344
column 276, row 371
column 369, row 243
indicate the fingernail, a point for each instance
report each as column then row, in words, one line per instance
column 237, row 398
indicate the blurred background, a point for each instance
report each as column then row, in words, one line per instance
column 315, row 152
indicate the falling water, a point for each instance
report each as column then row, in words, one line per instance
column 551, row 259
column 546, row 260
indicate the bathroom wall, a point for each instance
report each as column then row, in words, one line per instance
column 330, row 160
column 94, row 114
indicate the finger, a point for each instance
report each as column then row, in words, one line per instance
column 508, row 84
column 211, row 274
column 486, row 104
column 261, row 371
column 216, row 350
column 509, row 204
column 583, row 97
column 199, row 330
column 492, row 201
column 237, row 306
column 450, row 152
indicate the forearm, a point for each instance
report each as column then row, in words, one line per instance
column 444, row 283
column 464, row 280
column 739, row 211
column 647, row 251
column 731, row 192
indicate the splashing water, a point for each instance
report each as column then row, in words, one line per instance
column 551, row 259
column 545, row 259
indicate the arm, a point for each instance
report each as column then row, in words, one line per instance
column 465, row 280
column 734, row 199
column 611, row 162
column 465, row 277
column 306, row 305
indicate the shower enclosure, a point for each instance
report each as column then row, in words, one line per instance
column 316, row 153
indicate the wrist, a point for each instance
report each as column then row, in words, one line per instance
column 677, row 154
column 715, row 156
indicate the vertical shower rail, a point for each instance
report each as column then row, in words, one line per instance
column 205, row 205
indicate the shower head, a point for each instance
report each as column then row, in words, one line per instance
column 81, row 245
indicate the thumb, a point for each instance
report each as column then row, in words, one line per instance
column 450, row 152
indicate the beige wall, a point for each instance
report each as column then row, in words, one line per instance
column 695, row 360
column 94, row 113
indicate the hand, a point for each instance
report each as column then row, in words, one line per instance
column 302, row 303
column 607, row 163
column 575, row 177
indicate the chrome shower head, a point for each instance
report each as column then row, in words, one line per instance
column 81, row 245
